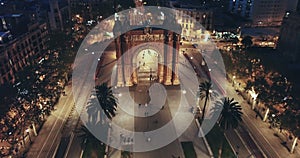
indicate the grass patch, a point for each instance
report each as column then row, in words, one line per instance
column 214, row 138
column 188, row 149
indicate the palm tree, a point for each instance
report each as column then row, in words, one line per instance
column 206, row 92
column 230, row 116
column 92, row 146
column 107, row 100
column 85, row 134
column 231, row 113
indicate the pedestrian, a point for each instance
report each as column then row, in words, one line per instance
column 140, row 105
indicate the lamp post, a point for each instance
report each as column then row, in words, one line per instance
column 150, row 76
column 273, row 121
column 237, row 151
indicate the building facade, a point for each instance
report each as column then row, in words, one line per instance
column 58, row 14
column 241, row 7
column 262, row 12
column 19, row 52
column 194, row 20
column 289, row 37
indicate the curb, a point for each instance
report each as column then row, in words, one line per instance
column 204, row 140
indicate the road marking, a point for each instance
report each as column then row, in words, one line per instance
column 246, row 116
column 260, row 134
column 69, row 145
column 243, row 142
column 52, row 130
column 63, row 123
column 194, row 94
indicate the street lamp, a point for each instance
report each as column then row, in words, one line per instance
column 237, row 150
column 150, row 76
column 274, row 122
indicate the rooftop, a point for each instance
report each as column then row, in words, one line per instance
column 261, row 31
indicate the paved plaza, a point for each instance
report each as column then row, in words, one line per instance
column 148, row 117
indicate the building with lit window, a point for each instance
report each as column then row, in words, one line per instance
column 241, row 7
column 262, row 12
column 19, row 52
column 191, row 17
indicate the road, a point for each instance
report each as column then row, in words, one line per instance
column 47, row 141
column 255, row 133
column 239, row 139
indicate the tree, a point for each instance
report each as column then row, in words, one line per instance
column 290, row 120
column 93, row 147
column 85, row 134
column 206, row 92
column 230, row 116
column 234, row 40
column 7, row 98
column 107, row 100
column 247, row 41
column 58, row 40
column 231, row 113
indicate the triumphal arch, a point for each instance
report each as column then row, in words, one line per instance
column 147, row 54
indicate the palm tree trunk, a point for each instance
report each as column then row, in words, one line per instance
column 203, row 111
column 34, row 129
column 294, row 144
column 266, row 115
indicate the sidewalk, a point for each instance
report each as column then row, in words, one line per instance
column 262, row 134
column 48, row 138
